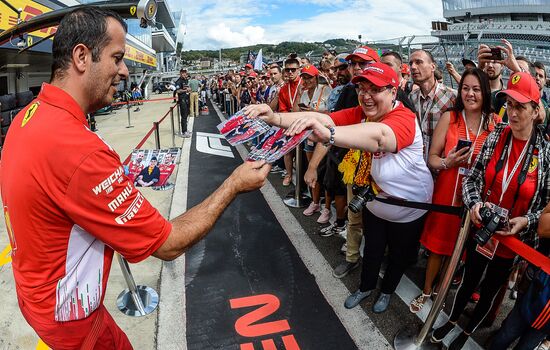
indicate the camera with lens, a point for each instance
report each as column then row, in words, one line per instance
column 362, row 195
column 492, row 219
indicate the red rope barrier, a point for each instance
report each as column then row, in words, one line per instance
column 525, row 252
column 127, row 160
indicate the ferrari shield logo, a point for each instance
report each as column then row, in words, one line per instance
column 29, row 113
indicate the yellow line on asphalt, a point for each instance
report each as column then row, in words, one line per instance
column 5, row 256
column 41, row 345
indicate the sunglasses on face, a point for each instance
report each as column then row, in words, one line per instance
column 291, row 70
column 362, row 64
column 342, row 67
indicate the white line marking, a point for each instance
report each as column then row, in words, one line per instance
column 205, row 140
column 172, row 316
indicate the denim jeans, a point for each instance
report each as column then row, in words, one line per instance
column 514, row 327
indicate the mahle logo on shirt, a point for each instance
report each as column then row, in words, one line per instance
column 29, row 113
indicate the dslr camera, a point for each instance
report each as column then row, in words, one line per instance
column 362, row 195
column 492, row 219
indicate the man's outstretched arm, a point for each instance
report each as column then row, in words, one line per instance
column 194, row 224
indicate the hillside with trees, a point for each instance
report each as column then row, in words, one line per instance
column 274, row 52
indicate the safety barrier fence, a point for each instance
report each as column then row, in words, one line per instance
column 140, row 300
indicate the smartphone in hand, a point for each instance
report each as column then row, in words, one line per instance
column 463, row 144
column 496, row 54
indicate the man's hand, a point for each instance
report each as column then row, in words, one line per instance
column 517, row 225
column 261, row 111
column 510, row 59
column 249, row 176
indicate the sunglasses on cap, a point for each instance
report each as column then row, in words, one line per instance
column 291, row 70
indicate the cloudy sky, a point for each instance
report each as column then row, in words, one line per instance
column 214, row 24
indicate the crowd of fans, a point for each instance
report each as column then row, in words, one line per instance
column 394, row 129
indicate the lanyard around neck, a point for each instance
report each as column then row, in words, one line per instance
column 293, row 98
column 473, row 147
column 506, row 179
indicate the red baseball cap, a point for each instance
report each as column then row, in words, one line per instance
column 405, row 69
column 242, row 73
column 253, row 74
column 248, row 65
column 523, row 88
column 365, row 53
column 310, row 70
column 379, row 74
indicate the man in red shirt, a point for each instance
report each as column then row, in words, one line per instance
column 68, row 204
column 289, row 95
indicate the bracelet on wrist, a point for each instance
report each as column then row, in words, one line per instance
column 443, row 164
column 331, row 138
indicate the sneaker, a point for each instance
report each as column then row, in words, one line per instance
column 325, row 216
column 326, row 229
column 283, row 174
column 459, row 341
column 287, row 181
column 344, row 268
column 313, row 208
column 418, row 303
column 276, row 169
column 334, row 230
column 440, row 333
column 382, row 303
column 354, row 299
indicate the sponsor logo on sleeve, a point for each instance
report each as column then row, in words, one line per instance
column 131, row 211
column 107, row 184
column 115, row 203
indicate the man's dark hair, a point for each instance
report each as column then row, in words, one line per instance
column 529, row 63
column 540, row 65
column 291, row 60
column 394, row 54
column 86, row 25
column 486, row 107
column 275, row 66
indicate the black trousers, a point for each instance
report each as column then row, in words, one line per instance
column 402, row 240
column 184, row 112
column 496, row 273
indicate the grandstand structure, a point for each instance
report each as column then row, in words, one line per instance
column 525, row 23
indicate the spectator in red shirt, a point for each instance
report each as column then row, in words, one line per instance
column 391, row 164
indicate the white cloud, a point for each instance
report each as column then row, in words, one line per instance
column 217, row 24
column 225, row 36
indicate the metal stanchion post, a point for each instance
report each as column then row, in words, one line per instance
column 157, row 134
column 172, row 127
column 298, row 200
column 407, row 338
column 135, row 300
column 128, row 109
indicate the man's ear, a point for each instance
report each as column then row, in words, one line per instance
column 81, row 57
